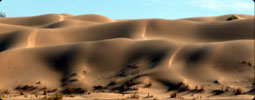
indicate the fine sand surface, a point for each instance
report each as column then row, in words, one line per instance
column 94, row 57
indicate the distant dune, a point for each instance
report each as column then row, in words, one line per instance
column 92, row 55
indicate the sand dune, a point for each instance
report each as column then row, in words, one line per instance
column 203, row 57
column 217, row 18
column 92, row 18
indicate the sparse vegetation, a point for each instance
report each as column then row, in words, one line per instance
column 133, row 66
column 125, row 88
column 202, row 89
column 173, row 95
column 247, row 63
column 216, row 82
column 149, row 96
column 132, row 82
column 25, row 96
column 39, row 82
column 55, row 97
column 217, row 92
column 52, row 90
column 21, row 93
column 36, row 94
column 2, row 95
column 134, row 88
column 148, row 85
column 182, row 87
column 239, row 91
column 113, row 82
column 196, row 88
column 232, row 18
column 45, row 92
column 135, row 96
column 227, row 89
column 128, row 85
column 26, row 88
column 72, row 90
column 74, row 74
column 68, row 90
column 73, row 80
column 99, row 87
column 6, row 92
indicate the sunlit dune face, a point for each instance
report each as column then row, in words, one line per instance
column 92, row 56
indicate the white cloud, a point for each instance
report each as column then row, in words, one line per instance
column 238, row 5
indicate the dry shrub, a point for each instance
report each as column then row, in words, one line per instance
column 26, row 88
column 148, row 85
column 226, row 89
column 173, row 95
column 196, row 88
column 68, row 90
column 21, row 92
column 73, row 80
column 6, row 92
column 73, row 90
column 74, row 74
column 138, row 75
column 134, row 88
column 220, row 91
column 155, row 99
column 149, row 96
column 55, row 97
column 182, row 87
column 72, row 95
column 59, row 97
column 52, row 90
column 132, row 82
column 113, row 82
column 135, row 96
column 36, row 94
column 217, row 92
column 98, row 87
column 45, row 92
column 25, row 96
column 2, row 96
column 39, row 82
column 202, row 89
column 133, row 66
column 127, row 85
column 247, row 62
column 216, row 81
column 125, row 88
column 239, row 91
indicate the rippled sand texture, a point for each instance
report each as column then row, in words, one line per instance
column 92, row 55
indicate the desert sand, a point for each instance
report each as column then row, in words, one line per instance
column 94, row 57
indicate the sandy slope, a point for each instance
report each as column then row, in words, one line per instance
column 194, row 57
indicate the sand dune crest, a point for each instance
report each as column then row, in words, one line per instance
column 205, row 56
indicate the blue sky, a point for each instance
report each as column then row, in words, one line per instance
column 128, row 9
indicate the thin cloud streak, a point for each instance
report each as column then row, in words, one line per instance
column 238, row 5
column 161, row 2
